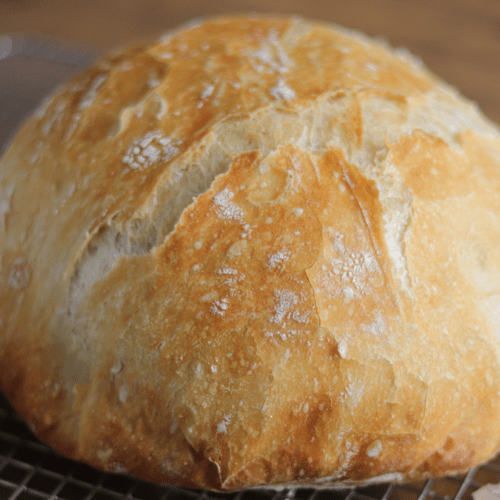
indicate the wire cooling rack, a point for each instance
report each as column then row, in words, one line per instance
column 30, row 67
column 30, row 470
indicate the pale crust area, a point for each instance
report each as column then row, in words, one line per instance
column 259, row 252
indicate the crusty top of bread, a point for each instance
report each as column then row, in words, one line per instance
column 260, row 251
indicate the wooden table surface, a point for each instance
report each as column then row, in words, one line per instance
column 458, row 39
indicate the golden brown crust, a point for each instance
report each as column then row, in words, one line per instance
column 261, row 251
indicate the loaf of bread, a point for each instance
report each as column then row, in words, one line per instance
column 262, row 251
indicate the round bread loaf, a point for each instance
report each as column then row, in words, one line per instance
column 262, row 251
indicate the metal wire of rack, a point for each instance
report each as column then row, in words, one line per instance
column 30, row 67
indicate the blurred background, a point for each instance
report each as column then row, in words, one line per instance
column 458, row 39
